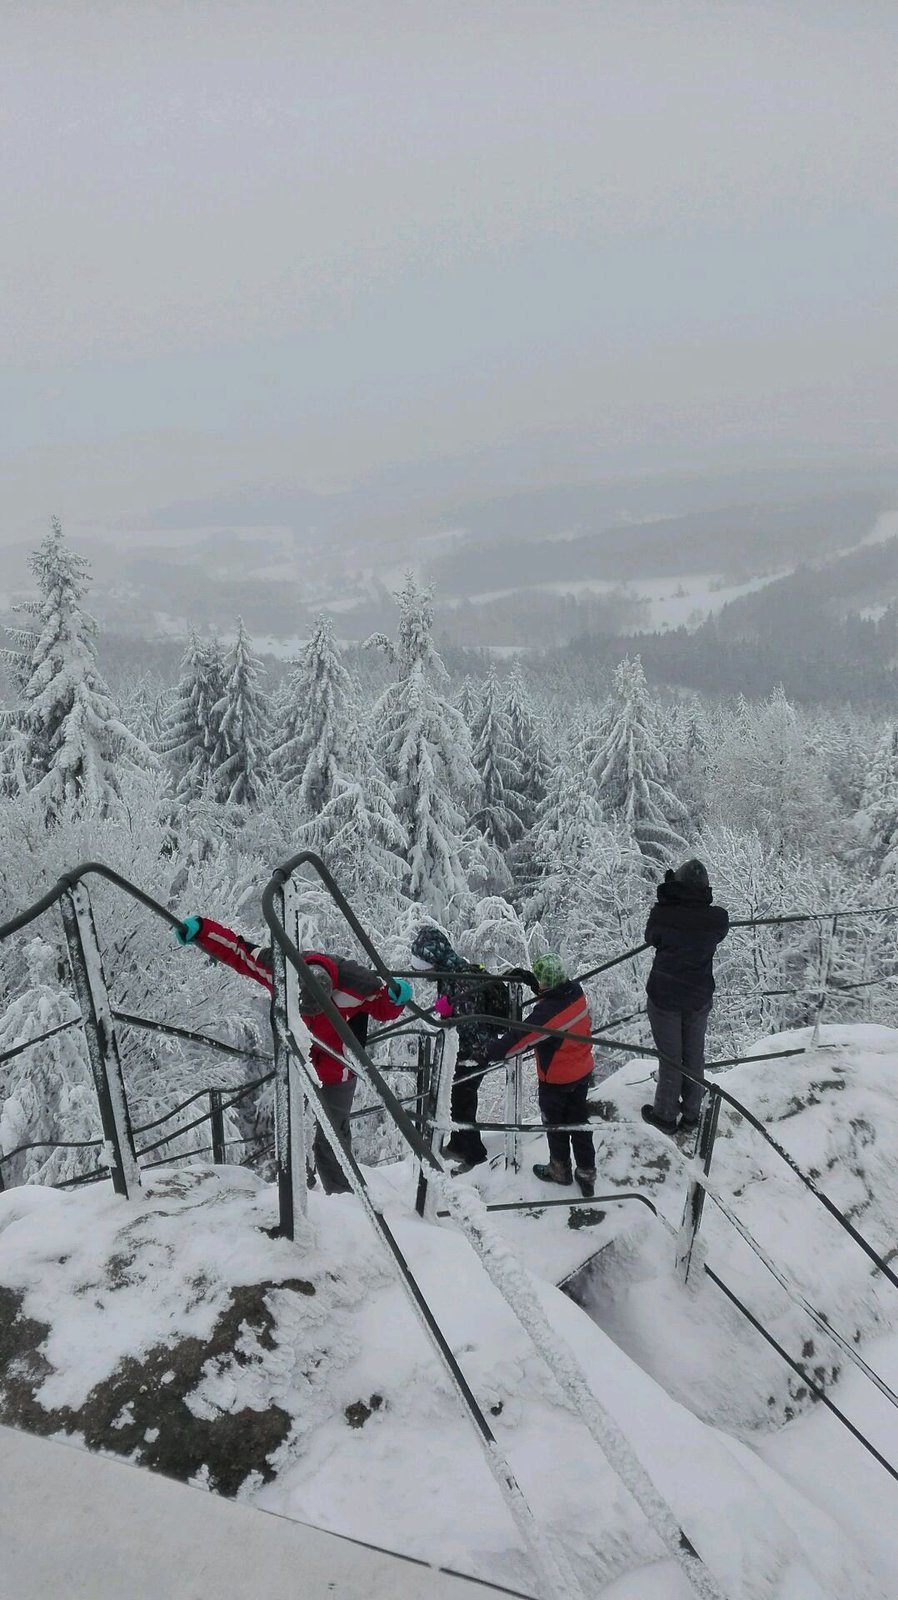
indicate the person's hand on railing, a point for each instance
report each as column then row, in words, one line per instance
column 443, row 1007
column 400, row 991
column 188, row 930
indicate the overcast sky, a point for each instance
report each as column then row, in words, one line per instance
column 302, row 240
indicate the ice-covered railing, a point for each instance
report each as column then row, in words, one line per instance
column 99, row 1020
column 293, row 980
column 433, row 1118
column 296, row 1083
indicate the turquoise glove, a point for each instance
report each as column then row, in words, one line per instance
column 188, row 930
column 400, row 992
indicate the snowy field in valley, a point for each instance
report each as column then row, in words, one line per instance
column 174, row 1321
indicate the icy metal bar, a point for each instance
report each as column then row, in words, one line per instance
column 216, row 1127
column 695, row 1195
column 99, row 1033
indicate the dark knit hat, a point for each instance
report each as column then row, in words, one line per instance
column 432, row 952
column 692, row 875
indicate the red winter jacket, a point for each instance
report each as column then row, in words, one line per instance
column 357, row 993
column 557, row 1060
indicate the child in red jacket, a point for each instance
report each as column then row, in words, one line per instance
column 357, row 994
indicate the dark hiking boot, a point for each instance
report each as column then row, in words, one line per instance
column 687, row 1124
column 586, row 1178
column 650, row 1115
column 553, row 1172
column 466, row 1166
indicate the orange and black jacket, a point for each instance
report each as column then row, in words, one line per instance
column 557, row 1060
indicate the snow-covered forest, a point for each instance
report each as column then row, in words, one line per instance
column 518, row 808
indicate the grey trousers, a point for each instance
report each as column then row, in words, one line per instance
column 680, row 1041
column 338, row 1097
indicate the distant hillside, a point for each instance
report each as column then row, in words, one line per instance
column 827, row 633
column 865, row 579
column 736, row 542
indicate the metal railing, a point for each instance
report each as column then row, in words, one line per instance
column 292, row 981
column 98, row 1018
column 429, row 1123
column 558, row 1575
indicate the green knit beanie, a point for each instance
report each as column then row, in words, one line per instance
column 548, row 971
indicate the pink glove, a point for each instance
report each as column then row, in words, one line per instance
column 443, row 1007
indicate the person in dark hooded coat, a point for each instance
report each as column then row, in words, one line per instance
column 464, row 990
column 685, row 928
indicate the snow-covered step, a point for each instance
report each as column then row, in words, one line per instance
column 88, row 1527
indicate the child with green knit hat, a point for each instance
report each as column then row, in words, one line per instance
column 563, row 1067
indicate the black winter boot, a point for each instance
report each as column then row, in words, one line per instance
column 553, row 1172
column 650, row 1115
column 586, row 1178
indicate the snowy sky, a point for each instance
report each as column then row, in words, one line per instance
column 270, row 240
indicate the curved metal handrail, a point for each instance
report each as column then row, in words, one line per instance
column 68, row 880
column 309, row 858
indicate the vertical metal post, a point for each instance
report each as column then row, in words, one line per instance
column 422, row 1081
column 513, row 1094
column 299, row 1182
column 428, row 1112
column 99, row 1033
column 435, row 1069
column 216, row 1125
column 282, row 1152
column 826, row 962
column 695, row 1196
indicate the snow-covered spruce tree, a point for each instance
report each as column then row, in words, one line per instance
column 847, row 743
column 690, row 769
column 493, row 760
column 526, row 787
column 314, row 723
column 629, row 771
column 364, row 844
column 468, row 700
column 876, row 822
column 192, row 739
column 588, row 882
column 47, row 1091
column 770, row 778
column 241, row 717
column 72, row 745
column 425, row 751
column 590, row 898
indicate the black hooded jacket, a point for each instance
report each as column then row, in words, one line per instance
column 685, row 929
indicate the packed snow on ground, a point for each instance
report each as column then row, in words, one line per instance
column 781, row 1502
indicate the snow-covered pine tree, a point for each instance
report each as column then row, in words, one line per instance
column 629, row 771
column 47, row 1091
column 689, row 768
column 192, row 739
column 468, row 700
column 312, row 752
column 241, row 717
column 361, row 839
column 425, row 750
column 73, row 744
column 526, row 788
column 876, row 821
column 589, row 897
column 589, row 881
column 770, row 778
column 493, row 760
